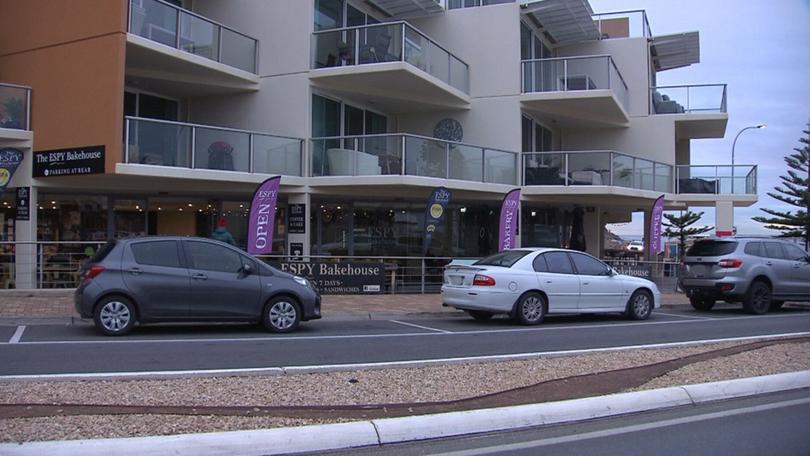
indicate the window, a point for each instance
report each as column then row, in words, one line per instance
column 156, row 253
column 506, row 259
column 774, row 250
column 540, row 264
column 587, row 265
column 794, row 253
column 558, row 263
column 754, row 248
column 212, row 257
column 535, row 137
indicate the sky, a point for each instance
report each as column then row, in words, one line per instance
column 761, row 49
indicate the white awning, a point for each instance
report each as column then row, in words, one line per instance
column 675, row 51
column 565, row 21
column 401, row 9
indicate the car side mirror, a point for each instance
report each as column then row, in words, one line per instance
column 611, row 272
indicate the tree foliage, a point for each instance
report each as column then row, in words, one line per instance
column 680, row 227
column 794, row 191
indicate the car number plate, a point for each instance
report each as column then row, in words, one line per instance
column 456, row 280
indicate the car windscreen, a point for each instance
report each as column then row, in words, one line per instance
column 711, row 248
column 505, row 259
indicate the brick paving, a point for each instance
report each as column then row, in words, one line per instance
column 59, row 303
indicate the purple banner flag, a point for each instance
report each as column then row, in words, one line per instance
column 509, row 220
column 262, row 217
column 655, row 244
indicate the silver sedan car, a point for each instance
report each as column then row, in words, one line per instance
column 528, row 284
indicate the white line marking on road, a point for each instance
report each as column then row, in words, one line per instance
column 17, row 335
column 621, row 430
column 686, row 316
column 420, row 326
column 380, row 365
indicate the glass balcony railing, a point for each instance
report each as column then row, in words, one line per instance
column 175, row 27
column 389, row 42
column 573, row 73
column 412, row 155
column 688, row 99
column 623, row 24
column 596, row 168
column 165, row 143
column 15, row 107
column 717, row 179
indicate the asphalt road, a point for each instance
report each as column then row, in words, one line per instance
column 774, row 425
column 67, row 349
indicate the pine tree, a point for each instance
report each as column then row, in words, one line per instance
column 678, row 226
column 796, row 192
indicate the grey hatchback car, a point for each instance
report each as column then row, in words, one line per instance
column 177, row 279
column 760, row 273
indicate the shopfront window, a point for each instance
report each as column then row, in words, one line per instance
column 72, row 218
column 541, row 227
column 129, row 218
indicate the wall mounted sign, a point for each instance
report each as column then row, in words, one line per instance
column 23, row 203
column 296, row 219
column 340, row 278
column 69, row 162
column 10, row 159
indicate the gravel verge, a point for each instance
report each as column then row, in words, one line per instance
column 427, row 384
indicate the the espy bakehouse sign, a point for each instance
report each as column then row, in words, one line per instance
column 69, row 162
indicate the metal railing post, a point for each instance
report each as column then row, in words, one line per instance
column 250, row 153
column 356, row 59
column 28, row 109
column 422, row 279
column 612, row 165
column 483, row 165
column 688, row 105
column 219, row 45
column 177, row 31
column 192, row 162
column 404, row 140
column 565, row 75
column 567, row 177
column 447, row 160
column 126, row 140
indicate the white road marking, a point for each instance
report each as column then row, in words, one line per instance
column 621, row 430
column 686, row 316
column 420, row 326
column 17, row 335
column 278, row 370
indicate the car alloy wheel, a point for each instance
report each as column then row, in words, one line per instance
column 115, row 316
column 282, row 315
column 758, row 299
column 640, row 305
column 531, row 309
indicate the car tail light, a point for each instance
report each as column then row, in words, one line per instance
column 483, row 281
column 94, row 270
column 733, row 263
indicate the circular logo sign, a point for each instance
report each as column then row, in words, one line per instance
column 4, row 177
column 436, row 210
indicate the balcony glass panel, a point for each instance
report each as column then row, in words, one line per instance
column 425, row 157
column 589, row 168
column 663, row 178
column 573, row 73
column 624, row 24
column 275, row 155
column 439, row 63
column 466, row 163
column 500, row 167
column 155, row 21
column 159, row 143
column 695, row 99
column 199, row 37
column 238, row 51
column 320, row 164
column 221, row 149
column 379, row 43
column 623, row 170
column 544, row 169
column 459, row 75
column 335, row 48
column 417, row 49
column 645, row 174
column 14, row 107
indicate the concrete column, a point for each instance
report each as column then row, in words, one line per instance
column 301, row 238
column 25, row 252
column 724, row 217
column 592, row 221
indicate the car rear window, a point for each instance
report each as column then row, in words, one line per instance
column 506, row 259
column 157, row 253
column 102, row 252
column 712, row 248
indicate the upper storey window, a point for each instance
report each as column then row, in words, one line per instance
column 331, row 14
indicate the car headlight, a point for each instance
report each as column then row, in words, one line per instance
column 302, row 281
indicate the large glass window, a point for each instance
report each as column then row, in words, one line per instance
column 540, row 227
column 328, row 14
column 129, row 218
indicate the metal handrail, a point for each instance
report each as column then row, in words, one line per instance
column 688, row 85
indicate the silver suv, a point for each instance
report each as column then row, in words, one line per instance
column 760, row 273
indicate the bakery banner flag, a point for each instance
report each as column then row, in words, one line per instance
column 509, row 220
column 10, row 159
column 656, row 246
column 434, row 213
column 262, row 217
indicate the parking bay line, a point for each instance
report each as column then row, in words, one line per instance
column 413, row 325
column 17, row 335
column 686, row 316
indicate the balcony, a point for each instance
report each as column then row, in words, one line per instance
column 182, row 145
column 717, row 179
column 700, row 109
column 15, row 110
column 596, row 168
column 393, row 64
column 623, row 24
column 411, row 155
column 176, row 50
column 575, row 91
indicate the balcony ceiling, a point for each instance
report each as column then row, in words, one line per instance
column 155, row 67
column 700, row 126
column 577, row 109
column 401, row 9
column 675, row 51
column 395, row 87
column 566, row 21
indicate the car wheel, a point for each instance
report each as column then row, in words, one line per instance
column 480, row 315
column 702, row 304
column 531, row 309
column 640, row 305
column 282, row 314
column 758, row 299
column 776, row 305
column 114, row 316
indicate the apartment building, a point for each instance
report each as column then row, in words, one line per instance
column 174, row 110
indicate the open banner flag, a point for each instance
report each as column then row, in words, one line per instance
column 509, row 220
column 656, row 246
column 262, row 217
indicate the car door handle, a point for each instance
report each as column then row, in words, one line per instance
column 586, row 283
column 136, row 271
column 769, row 263
column 199, row 277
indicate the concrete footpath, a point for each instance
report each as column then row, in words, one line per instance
column 57, row 305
